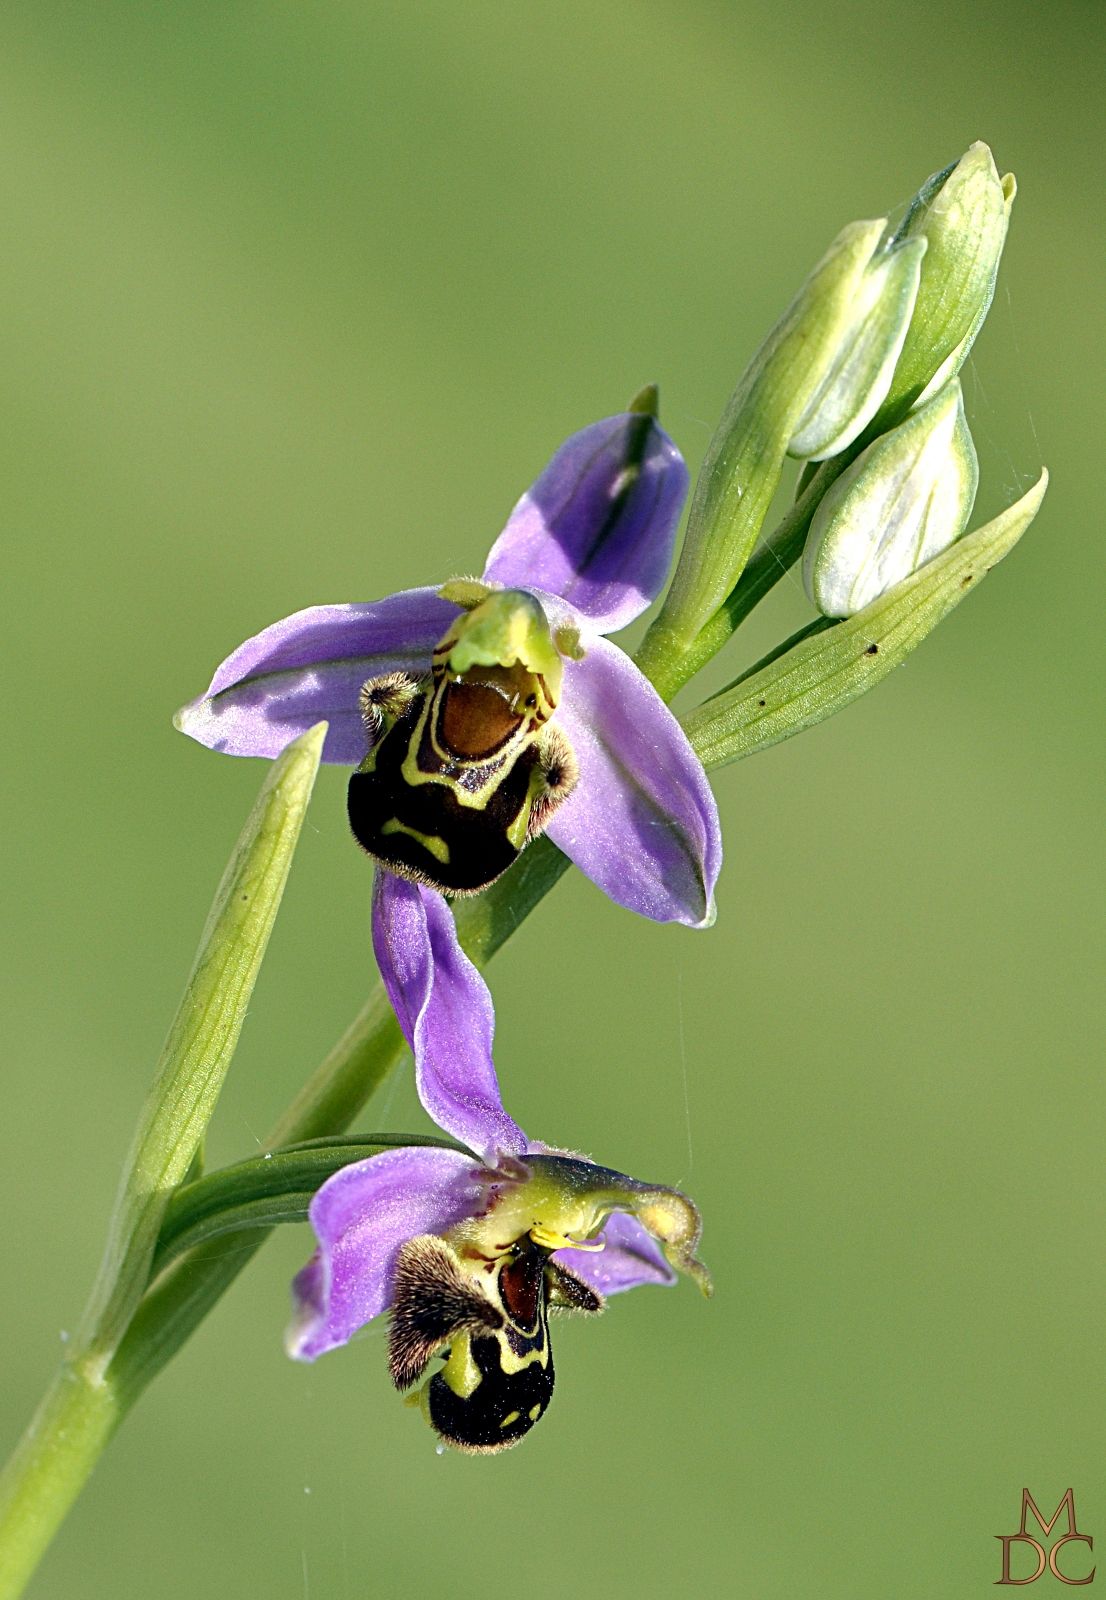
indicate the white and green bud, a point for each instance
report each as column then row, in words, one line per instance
column 829, row 665
column 813, row 386
column 962, row 213
column 904, row 500
column 869, row 343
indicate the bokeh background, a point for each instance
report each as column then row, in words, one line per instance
column 296, row 298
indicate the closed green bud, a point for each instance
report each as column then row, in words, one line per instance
column 815, row 382
column 868, row 347
column 962, row 213
column 904, row 500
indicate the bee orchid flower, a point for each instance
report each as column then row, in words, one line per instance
column 428, row 693
column 471, row 1255
column 482, row 713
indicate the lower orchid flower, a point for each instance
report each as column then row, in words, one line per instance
column 471, row 1255
column 483, row 713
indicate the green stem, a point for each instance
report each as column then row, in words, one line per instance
column 50, row 1467
column 669, row 667
column 346, row 1078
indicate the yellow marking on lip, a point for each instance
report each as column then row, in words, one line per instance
column 430, row 842
column 534, row 1413
column 412, row 776
column 460, row 1371
column 512, row 1416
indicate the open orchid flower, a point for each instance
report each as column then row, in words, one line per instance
column 485, row 712
column 471, row 1256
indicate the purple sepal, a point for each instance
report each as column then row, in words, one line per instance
column 444, row 1008
column 598, row 526
column 642, row 821
column 361, row 1217
column 630, row 1257
column 310, row 666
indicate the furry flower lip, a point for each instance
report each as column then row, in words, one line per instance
column 464, row 768
column 472, row 1259
column 598, row 761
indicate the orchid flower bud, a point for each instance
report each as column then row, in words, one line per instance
column 868, row 347
column 812, row 387
column 905, row 498
column 962, row 213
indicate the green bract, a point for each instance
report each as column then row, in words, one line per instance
column 829, row 665
column 202, row 1040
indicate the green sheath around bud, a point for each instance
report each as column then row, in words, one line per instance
column 906, row 498
column 962, row 213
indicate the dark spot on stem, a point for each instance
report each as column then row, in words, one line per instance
column 762, row 702
column 872, row 650
column 964, row 582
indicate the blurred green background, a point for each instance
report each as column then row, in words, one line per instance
column 297, row 298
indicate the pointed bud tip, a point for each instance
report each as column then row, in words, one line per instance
column 1032, row 498
column 979, row 150
column 979, row 154
column 311, row 742
column 647, row 401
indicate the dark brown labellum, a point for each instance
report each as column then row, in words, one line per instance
column 461, row 774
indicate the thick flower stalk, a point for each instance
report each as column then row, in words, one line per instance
column 470, row 1256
